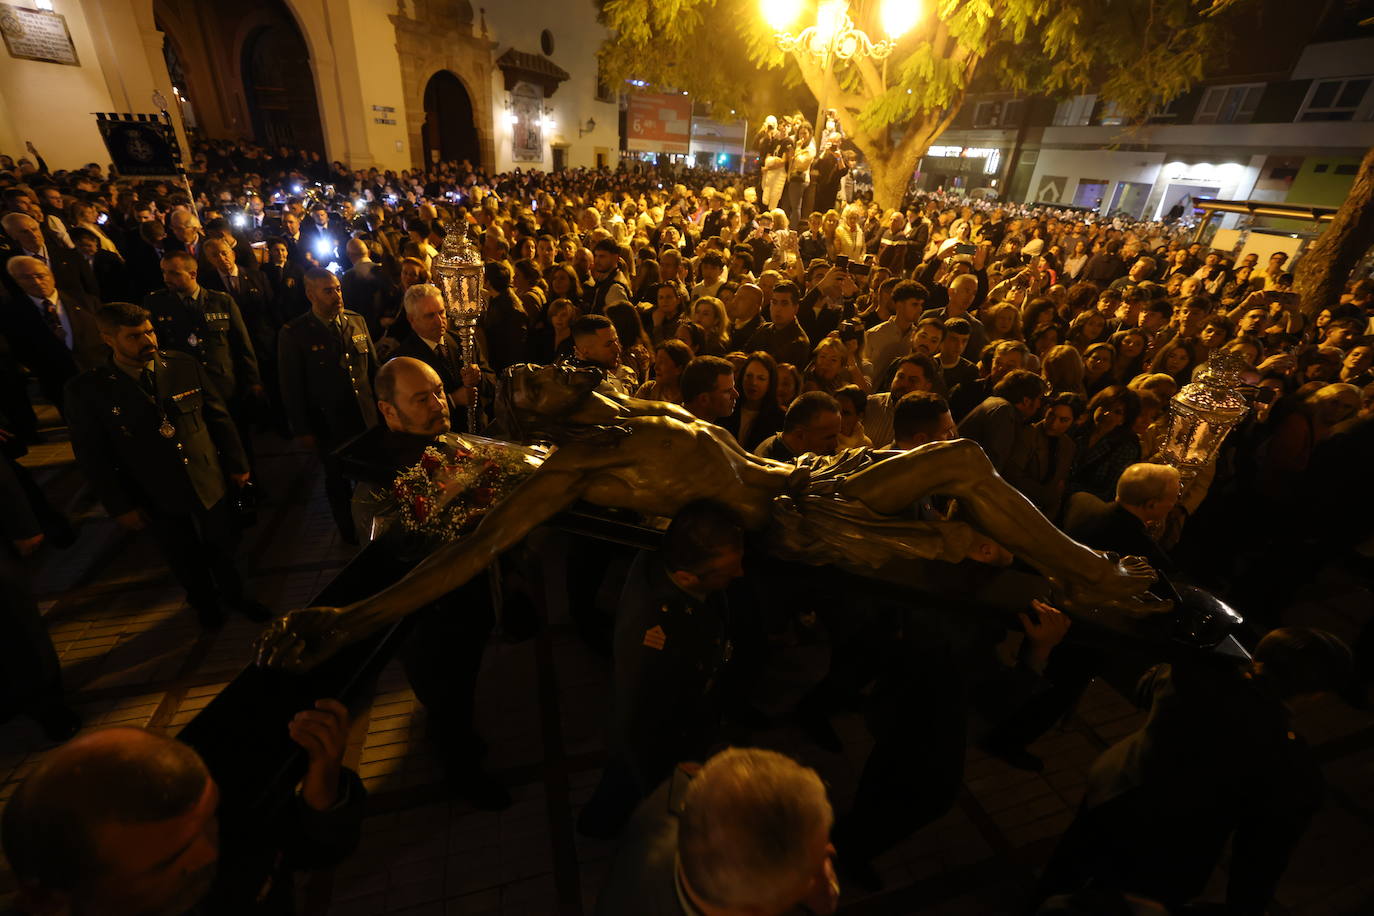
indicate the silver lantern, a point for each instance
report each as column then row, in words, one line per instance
column 458, row 274
column 1203, row 413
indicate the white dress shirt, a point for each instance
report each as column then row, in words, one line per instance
column 62, row 315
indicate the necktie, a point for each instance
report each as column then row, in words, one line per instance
column 442, row 351
column 146, row 381
column 233, row 282
column 54, row 320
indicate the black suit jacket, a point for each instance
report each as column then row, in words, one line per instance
column 367, row 293
column 39, row 349
column 288, row 289
column 449, row 369
column 115, row 435
column 1114, row 528
column 69, row 268
column 255, row 302
column 111, row 276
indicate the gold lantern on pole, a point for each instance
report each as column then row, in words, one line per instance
column 458, row 274
column 1202, row 414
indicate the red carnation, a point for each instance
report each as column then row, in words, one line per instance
column 421, row 507
column 430, row 462
column 482, row 496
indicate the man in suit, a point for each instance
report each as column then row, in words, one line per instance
column 53, row 330
column 185, row 233
column 155, row 439
column 365, row 286
column 322, row 237
column 108, row 267
column 1145, row 495
column 432, row 343
column 326, row 363
column 286, row 278
column 251, row 293
column 70, row 269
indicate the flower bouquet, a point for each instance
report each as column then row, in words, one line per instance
column 455, row 482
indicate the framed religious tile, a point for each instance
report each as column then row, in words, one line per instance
column 527, row 130
column 37, row 35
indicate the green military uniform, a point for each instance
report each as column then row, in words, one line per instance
column 163, row 443
column 326, row 371
column 326, row 376
column 209, row 327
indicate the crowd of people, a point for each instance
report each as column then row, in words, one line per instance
column 285, row 295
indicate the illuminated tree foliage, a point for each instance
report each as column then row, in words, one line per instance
column 1140, row 54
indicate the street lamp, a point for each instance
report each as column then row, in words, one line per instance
column 1202, row 414
column 833, row 36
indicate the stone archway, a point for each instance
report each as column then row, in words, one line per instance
column 439, row 36
column 449, row 130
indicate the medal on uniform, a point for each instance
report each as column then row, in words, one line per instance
column 193, row 340
column 167, row 429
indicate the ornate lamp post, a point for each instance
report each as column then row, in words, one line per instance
column 1202, row 414
column 834, row 37
column 458, row 274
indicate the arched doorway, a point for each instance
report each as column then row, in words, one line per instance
column 280, row 89
column 450, row 130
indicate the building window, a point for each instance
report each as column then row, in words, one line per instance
column 604, row 93
column 1347, row 169
column 1334, row 100
column 546, row 42
column 1320, row 167
column 987, row 114
column 1229, row 104
column 1075, row 112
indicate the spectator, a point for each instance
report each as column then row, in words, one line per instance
column 812, row 425
column 1105, row 443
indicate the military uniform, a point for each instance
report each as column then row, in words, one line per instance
column 209, row 327
column 165, row 449
column 326, row 372
column 671, row 649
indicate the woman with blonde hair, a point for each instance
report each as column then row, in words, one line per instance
column 829, row 223
column 849, row 234
column 832, row 367
column 1003, row 321
column 709, row 312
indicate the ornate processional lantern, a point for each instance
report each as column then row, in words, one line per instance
column 1202, row 414
column 458, row 274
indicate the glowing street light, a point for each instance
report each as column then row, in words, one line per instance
column 779, row 14
column 834, row 35
column 899, row 16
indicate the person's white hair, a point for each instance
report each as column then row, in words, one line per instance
column 748, row 826
column 10, row 221
column 1143, row 482
column 417, row 294
column 22, row 261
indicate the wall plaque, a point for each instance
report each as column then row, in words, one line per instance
column 37, row 35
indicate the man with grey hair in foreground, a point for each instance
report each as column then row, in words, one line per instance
column 747, row 833
column 1145, row 495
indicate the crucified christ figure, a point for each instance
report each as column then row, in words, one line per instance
column 654, row 458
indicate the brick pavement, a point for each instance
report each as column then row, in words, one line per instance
column 133, row 654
